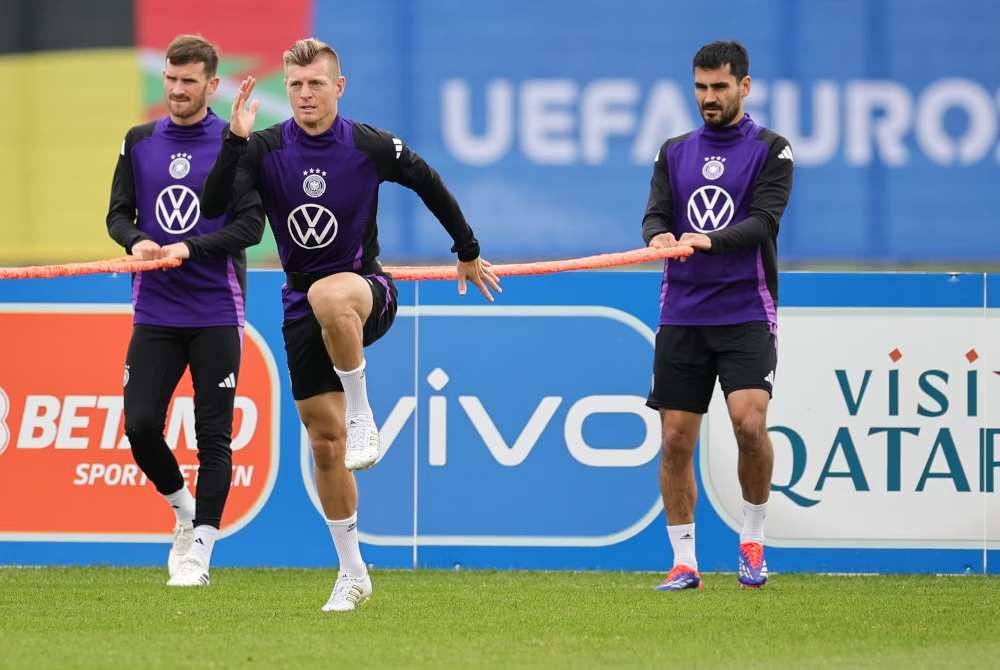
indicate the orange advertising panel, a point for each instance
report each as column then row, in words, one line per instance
column 66, row 470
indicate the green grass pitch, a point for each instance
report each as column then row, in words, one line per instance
column 128, row 618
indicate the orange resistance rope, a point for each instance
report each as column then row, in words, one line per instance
column 123, row 264
column 645, row 255
column 401, row 273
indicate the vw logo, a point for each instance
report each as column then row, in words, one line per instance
column 312, row 226
column 177, row 209
column 710, row 208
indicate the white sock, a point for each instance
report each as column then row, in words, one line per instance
column 182, row 503
column 682, row 542
column 204, row 541
column 355, row 390
column 753, row 522
column 345, row 540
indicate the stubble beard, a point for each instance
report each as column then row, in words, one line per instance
column 726, row 117
column 185, row 109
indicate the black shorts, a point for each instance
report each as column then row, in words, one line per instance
column 689, row 358
column 309, row 364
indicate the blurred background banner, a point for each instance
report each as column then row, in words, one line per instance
column 543, row 118
column 71, row 90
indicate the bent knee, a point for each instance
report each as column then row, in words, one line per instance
column 328, row 452
column 336, row 297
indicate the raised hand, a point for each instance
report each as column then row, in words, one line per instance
column 480, row 273
column 243, row 115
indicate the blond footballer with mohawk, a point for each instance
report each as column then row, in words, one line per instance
column 318, row 175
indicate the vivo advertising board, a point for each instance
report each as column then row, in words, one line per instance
column 512, row 449
column 515, row 434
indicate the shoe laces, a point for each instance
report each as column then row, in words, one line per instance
column 346, row 588
column 754, row 553
column 358, row 438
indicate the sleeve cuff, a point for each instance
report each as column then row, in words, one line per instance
column 718, row 245
column 139, row 237
column 236, row 141
column 468, row 252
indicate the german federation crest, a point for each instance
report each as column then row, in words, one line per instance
column 713, row 168
column 314, row 185
column 180, row 165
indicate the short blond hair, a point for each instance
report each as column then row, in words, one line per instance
column 306, row 51
column 186, row 49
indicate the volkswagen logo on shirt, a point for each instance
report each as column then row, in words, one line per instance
column 312, row 226
column 710, row 208
column 177, row 209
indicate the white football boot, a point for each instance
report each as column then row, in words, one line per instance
column 362, row 442
column 348, row 593
column 183, row 537
column 190, row 573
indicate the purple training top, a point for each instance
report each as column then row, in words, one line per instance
column 731, row 184
column 155, row 196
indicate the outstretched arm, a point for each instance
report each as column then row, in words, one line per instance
column 397, row 163
column 414, row 173
column 420, row 177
